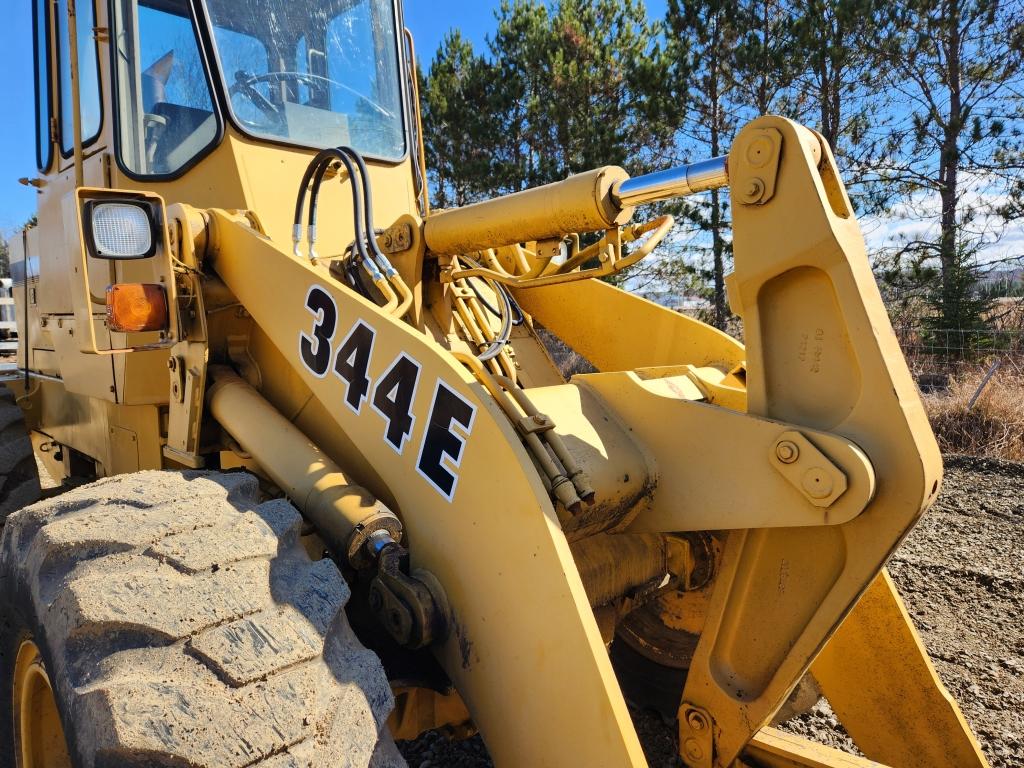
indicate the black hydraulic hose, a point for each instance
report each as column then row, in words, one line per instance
column 300, row 199
column 520, row 318
column 312, row 178
column 368, row 197
column 357, row 284
column 481, row 299
column 357, row 198
column 318, row 178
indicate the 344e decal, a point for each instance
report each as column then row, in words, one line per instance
column 392, row 395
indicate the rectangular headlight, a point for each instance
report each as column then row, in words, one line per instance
column 120, row 229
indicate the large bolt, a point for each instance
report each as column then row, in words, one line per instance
column 787, row 451
column 754, row 191
column 696, row 721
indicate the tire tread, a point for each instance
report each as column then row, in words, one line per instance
column 187, row 626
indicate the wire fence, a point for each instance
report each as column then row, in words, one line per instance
column 935, row 354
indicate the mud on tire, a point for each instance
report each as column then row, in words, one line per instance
column 183, row 624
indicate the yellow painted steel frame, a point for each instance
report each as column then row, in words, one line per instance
column 873, row 669
column 882, row 686
column 821, row 354
column 526, row 654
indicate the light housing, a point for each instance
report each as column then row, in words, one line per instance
column 137, row 307
column 121, row 229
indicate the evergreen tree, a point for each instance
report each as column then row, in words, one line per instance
column 703, row 36
column 840, row 91
column 767, row 56
column 954, row 66
column 456, row 127
column 581, row 85
column 561, row 90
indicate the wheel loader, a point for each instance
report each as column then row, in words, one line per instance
column 315, row 481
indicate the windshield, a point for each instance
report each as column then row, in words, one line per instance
column 321, row 73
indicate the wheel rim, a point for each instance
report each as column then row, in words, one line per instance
column 39, row 736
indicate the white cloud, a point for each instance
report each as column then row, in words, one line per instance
column 918, row 219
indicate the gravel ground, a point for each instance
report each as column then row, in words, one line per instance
column 961, row 575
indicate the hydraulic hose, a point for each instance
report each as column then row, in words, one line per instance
column 405, row 295
column 399, row 299
column 300, row 198
column 495, row 347
column 321, row 164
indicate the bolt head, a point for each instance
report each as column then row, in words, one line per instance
column 753, row 192
column 696, row 721
column 787, row 451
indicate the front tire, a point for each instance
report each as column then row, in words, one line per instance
column 182, row 623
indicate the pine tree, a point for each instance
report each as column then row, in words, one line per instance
column 560, row 90
column 841, row 92
column 580, row 85
column 767, row 59
column 702, row 39
column 955, row 66
column 457, row 134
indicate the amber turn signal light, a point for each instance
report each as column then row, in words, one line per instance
column 135, row 307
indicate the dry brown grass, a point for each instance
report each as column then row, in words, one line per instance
column 994, row 427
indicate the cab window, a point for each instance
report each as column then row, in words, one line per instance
column 41, row 39
column 166, row 117
column 88, row 74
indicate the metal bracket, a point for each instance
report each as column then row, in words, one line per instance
column 396, row 238
column 176, row 369
column 696, row 736
column 411, row 605
column 531, row 425
column 755, row 178
column 807, row 469
column 188, row 360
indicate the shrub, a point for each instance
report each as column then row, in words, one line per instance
column 994, row 427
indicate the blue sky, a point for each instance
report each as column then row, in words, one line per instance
column 17, row 148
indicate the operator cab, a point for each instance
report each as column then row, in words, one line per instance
column 318, row 73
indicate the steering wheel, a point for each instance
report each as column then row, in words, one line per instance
column 245, row 84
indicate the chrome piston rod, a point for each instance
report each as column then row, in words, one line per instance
column 674, row 182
